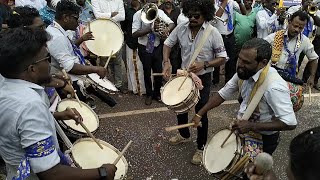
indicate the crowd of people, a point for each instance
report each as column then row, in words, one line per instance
column 258, row 46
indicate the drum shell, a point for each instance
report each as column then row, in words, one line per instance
column 98, row 86
column 189, row 102
column 103, row 143
column 70, row 132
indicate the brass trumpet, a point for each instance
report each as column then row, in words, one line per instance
column 312, row 8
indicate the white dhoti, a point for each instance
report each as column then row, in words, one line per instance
column 135, row 72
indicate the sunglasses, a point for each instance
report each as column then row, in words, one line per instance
column 48, row 58
column 196, row 16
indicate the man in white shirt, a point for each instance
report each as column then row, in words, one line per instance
column 314, row 21
column 213, row 54
column 267, row 19
column 112, row 9
column 28, row 140
column 38, row 4
column 293, row 43
column 150, row 50
column 274, row 112
column 225, row 10
column 65, row 53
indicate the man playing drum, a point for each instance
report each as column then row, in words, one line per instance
column 274, row 112
column 65, row 53
column 213, row 54
column 29, row 142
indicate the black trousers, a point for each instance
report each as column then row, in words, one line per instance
column 306, row 73
column 230, row 66
column 183, row 118
column 151, row 61
column 175, row 58
column 270, row 142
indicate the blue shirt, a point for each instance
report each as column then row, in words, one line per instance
column 47, row 14
column 86, row 13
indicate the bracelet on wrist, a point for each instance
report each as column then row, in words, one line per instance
column 198, row 116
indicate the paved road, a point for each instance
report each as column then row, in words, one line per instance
column 150, row 156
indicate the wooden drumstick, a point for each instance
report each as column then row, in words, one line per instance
column 121, row 153
column 159, row 74
column 105, row 66
column 172, row 128
column 75, row 92
column 309, row 95
column 183, row 82
column 226, row 139
column 87, row 130
column 89, row 28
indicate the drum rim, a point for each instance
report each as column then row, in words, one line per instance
column 84, row 104
column 239, row 149
column 109, row 19
column 101, row 87
column 105, row 144
column 193, row 84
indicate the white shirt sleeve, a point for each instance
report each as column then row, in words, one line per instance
column 58, row 48
column 164, row 17
column 264, row 21
column 33, row 126
column 121, row 13
column 231, row 87
column 270, row 38
column 136, row 24
column 236, row 6
column 278, row 98
column 309, row 51
column 172, row 38
column 98, row 13
column 218, row 44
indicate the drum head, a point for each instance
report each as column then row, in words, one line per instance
column 90, row 118
column 171, row 95
column 215, row 158
column 88, row 155
column 108, row 36
column 105, row 83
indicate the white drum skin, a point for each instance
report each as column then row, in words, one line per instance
column 217, row 159
column 90, row 119
column 87, row 154
column 103, row 83
column 108, row 37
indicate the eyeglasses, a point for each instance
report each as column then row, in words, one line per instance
column 196, row 16
column 48, row 58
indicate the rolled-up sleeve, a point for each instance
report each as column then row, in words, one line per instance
column 309, row 51
column 231, row 87
column 278, row 98
column 136, row 24
column 58, row 49
column 33, row 128
column 218, row 45
column 172, row 38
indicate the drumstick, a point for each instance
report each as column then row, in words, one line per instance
column 105, row 66
column 75, row 93
column 309, row 95
column 121, row 153
column 87, row 130
column 159, row 74
column 183, row 82
column 172, row 128
column 89, row 28
column 226, row 139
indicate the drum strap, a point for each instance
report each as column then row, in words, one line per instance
column 201, row 43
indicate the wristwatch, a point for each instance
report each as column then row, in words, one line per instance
column 102, row 173
column 205, row 65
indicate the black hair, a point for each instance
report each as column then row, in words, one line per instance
column 18, row 47
column 205, row 7
column 66, row 7
column 22, row 16
column 301, row 14
column 263, row 47
column 304, row 155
